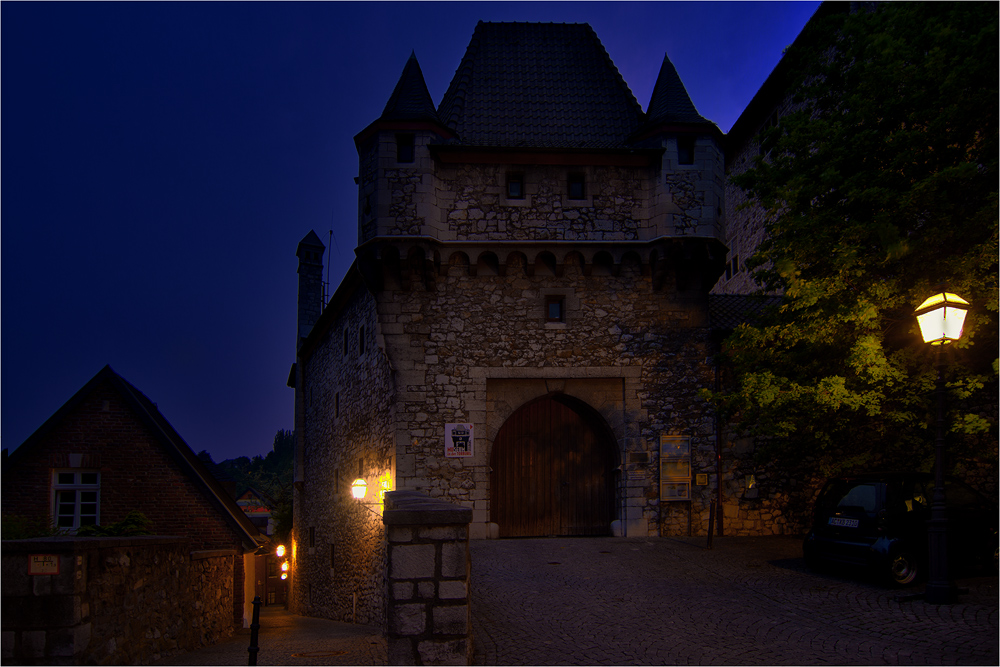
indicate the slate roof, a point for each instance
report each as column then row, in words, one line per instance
column 410, row 99
column 670, row 102
column 539, row 85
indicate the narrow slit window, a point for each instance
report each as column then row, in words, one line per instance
column 361, row 342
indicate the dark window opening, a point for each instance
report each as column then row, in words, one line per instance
column 312, row 536
column 555, row 309
column 333, row 554
column 577, row 186
column 404, row 148
column 685, row 150
column 361, row 341
column 347, row 341
column 336, row 404
column 515, row 186
column 736, row 264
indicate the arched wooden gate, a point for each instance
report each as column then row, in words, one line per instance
column 554, row 463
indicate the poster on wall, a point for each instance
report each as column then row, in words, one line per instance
column 458, row 440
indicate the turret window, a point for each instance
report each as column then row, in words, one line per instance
column 685, row 150
column 404, row 148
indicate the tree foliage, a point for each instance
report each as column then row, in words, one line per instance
column 877, row 190
column 272, row 474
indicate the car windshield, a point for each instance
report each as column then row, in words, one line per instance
column 846, row 493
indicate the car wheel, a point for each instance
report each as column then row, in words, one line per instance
column 903, row 569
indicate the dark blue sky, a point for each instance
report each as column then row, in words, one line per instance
column 160, row 162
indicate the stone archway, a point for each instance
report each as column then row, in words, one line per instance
column 553, row 470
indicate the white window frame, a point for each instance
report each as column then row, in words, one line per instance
column 79, row 487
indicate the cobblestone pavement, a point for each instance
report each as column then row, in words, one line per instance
column 287, row 639
column 748, row 601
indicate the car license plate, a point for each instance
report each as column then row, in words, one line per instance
column 840, row 521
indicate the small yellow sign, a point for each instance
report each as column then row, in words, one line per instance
column 43, row 564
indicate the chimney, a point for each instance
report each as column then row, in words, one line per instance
column 310, row 254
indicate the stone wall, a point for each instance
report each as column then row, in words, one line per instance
column 115, row 600
column 428, row 577
column 455, row 337
column 338, row 550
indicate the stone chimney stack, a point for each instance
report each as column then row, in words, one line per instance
column 310, row 254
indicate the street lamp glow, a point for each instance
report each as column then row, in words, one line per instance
column 941, row 318
column 280, row 551
column 359, row 488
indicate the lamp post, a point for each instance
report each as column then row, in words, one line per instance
column 941, row 318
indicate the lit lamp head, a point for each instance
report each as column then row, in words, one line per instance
column 280, row 551
column 359, row 488
column 941, row 318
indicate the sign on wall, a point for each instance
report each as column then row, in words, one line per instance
column 43, row 564
column 675, row 467
column 458, row 440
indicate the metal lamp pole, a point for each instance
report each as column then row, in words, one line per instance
column 941, row 319
column 939, row 589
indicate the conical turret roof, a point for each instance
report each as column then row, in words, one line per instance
column 410, row 99
column 670, row 102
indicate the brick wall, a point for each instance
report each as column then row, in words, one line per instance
column 114, row 600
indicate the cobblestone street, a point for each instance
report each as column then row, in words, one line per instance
column 748, row 601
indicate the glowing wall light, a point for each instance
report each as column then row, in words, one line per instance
column 359, row 488
column 942, row 317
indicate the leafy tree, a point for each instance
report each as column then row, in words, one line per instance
column 272, row 474
column 880, row 188
column 134, row 523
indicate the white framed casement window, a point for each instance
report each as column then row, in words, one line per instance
column 76, row 498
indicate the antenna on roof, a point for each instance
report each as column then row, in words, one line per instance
column 329, row 254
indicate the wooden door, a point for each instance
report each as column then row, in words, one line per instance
column 553, row 472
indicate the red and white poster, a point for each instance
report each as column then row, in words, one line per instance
column 458, row 440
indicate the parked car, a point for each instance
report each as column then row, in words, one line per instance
column 879, row 521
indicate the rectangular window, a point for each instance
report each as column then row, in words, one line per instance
column 76, row 498
column 312, row 536
column 685, row 150
column 361, row 341
column 347, row 341
column 515, row 186
column 336, row 404
column 272, row 567
column 404, row 148
column 736, row 264
column 577, row 186
column 554, row 309
column 271, row 597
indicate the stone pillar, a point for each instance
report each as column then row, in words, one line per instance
column 427, row 576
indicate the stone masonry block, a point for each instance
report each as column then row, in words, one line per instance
column 451, row 620
column 426, row 589
column 452, row 590
column 441, row 533
column 453, row 560
column 400, row 534
column 408, row 619
column 402, row 590
column 412, row 562
column 401, row 653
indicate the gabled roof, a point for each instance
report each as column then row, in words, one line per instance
column 539, row 85
column 410, row 99
column 172, row 442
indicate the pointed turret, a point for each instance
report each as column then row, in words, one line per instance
column 410, row 99
column 670, row 102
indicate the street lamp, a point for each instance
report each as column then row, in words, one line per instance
column 941, row 318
